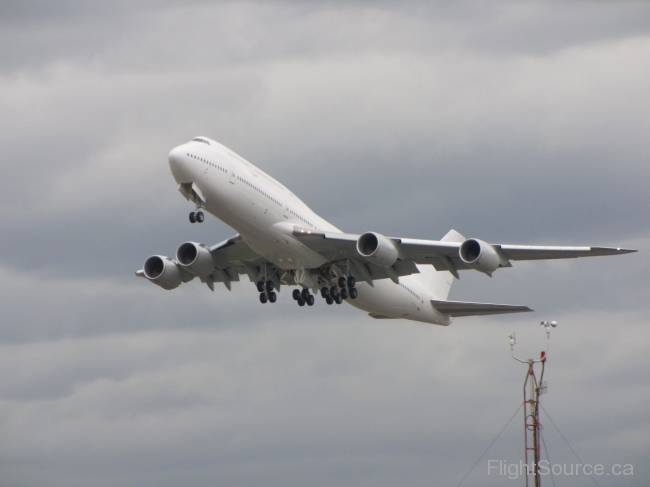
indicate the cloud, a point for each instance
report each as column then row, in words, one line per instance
column 519, row 122
column 309, row 398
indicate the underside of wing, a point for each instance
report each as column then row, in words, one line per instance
column 460, row 308
column 442, row 254
column 331, row 245
column 452, row 253
column 234, row 256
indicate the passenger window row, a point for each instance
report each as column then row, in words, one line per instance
column 259, row 190
column 301, row 218
column 205, row 161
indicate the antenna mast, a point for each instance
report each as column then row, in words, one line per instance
column 533, row 388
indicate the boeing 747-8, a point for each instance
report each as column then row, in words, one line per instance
column 281, row 242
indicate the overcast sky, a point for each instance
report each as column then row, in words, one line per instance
column 514, row 122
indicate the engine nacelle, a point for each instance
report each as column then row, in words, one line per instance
column 195, row 258
column 479, row 255
column 377, row 249
column 162, row 271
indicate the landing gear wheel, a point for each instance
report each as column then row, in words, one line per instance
column 301, row 302
column 342, row 281
column 192, row 217
column 334, row 292
column 329, row 300
column 260, row 286
column 324, row 292
column 338, row 300
column 263, row 298
column 296, row 294
column 344, row 293
column 273, row 297
column 269, row 286
column 310, row 300
column 305, row 294
column 351, row 282
column 199, row 217
column 353, row 293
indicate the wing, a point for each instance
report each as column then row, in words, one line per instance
column 223, row 262
column 234, row 257
column 339, row 247
column 444, row 254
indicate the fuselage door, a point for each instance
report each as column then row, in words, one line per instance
column 232, row 176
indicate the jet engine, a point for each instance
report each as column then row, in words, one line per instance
column 377, row 249
column 479, row 255
column 195, row 258
column 162, row 271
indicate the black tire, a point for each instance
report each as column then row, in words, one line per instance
column 273, row 297
column 296, row 294
column 263, row 298
column 324, row 292
column 338, row 300
column 353, row 293
column 305, row 294
column 329, row 300
column 192, row 217
column 301, row 302
column 344, row 293
column 269, row 286
column 351, row 282
column 342, row 282
column 260, row 286
column 311, row 300
column 334, row 292
column 200, row 217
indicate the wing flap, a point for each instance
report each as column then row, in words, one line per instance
column 460, row 308
column 332, row 246
column 234, row 257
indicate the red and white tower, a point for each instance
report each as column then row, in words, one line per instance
column 533, row 388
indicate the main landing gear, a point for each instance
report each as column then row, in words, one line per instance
column 334, row 295
column 303, row 297
column 197, row 217
column 266, row 292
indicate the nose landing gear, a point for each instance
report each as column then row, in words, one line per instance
column 197, row 217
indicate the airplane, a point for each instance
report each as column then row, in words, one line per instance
column 282, row 242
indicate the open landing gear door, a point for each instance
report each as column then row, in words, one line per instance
column 192, row 193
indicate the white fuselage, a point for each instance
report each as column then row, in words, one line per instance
column 264, row 212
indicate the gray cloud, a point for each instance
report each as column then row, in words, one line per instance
column 522, row 122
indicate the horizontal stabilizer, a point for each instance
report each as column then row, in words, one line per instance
column 380, row 317
column 460, row 308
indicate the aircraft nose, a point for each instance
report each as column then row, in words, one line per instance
column 177, row 162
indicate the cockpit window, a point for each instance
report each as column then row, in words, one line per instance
column 199, row 139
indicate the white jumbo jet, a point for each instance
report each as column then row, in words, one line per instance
column 282, row 242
